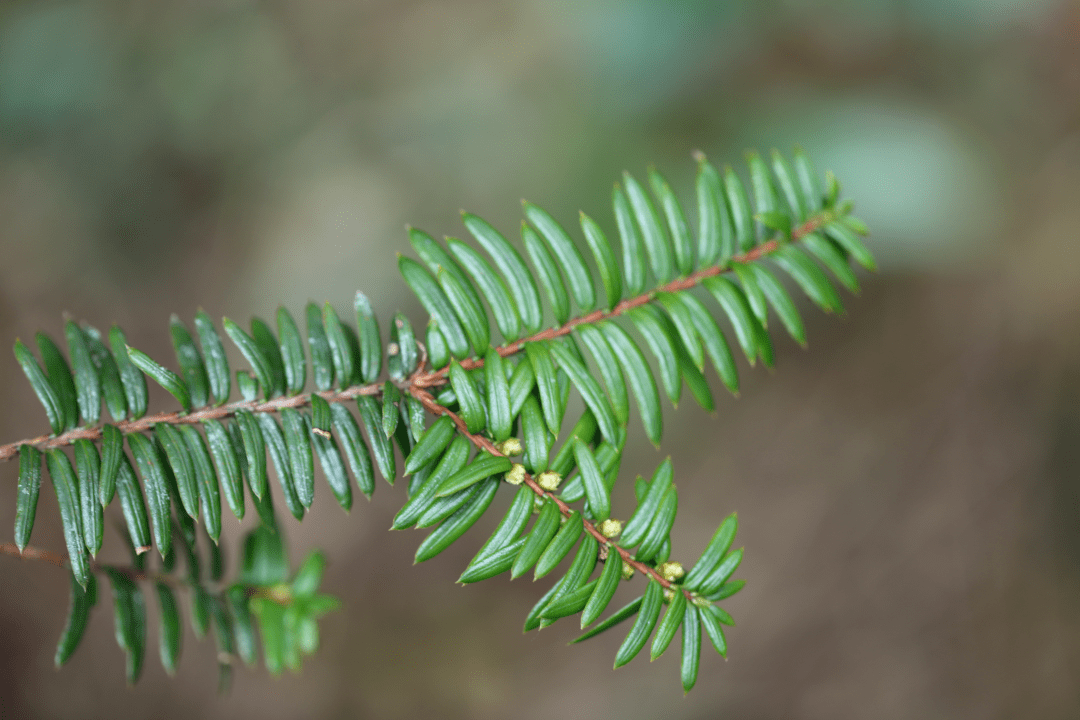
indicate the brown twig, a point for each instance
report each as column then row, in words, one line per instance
column 47, row 442
column 32, row 553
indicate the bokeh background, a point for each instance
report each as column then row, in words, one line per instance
column 908, row 488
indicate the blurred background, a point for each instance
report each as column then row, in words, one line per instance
column 908, row 488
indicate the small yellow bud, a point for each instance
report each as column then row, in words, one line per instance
column 671, row 570
column 280, row 593
column 699, row 601
column 510, row 447
column 669, row 595
column 627, row 570
column 610, row 528
column 538, row 503
column 516, row 476
column 549, row 480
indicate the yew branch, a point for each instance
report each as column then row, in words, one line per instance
column 419, row 380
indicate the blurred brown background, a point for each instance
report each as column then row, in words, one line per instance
column 908, row 489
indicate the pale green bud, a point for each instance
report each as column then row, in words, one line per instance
column 510, row 447
column 671, row 570
column 516, row 476
column 549, row 480
column 610, row 528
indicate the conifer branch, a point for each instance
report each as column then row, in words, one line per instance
column 194, row 463
column 417, row 380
